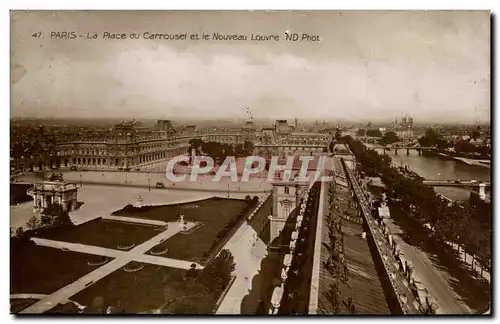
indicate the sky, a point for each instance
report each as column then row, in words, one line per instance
column 367, row 65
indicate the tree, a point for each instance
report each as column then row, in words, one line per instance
column 248, row 147
column 374, row 132
column 389, row 138
column 19, row 232
column 431, row 138
column 195, row 143
column 331, row 146
column 238, row 150
column 217, row 274
column 46, row 220
column 192, row 272
column 58, row 215
column 476, row 133
column 33, row 223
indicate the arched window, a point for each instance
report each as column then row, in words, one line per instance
column 287, row 190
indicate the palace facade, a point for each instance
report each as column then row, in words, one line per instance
column 127, row 145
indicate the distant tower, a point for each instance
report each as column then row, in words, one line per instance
column 338, row 133
column 410, row 127
column 296, row 123
column 40, row 133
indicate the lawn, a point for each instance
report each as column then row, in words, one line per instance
column 43, row 270
column 18, row 193
column 107, row 233
column 152, row 287
column 17, row 305
column 202, row 210
column 218, row 217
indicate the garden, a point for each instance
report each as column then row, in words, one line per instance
column 151, row 289
column 219, row 217
column 43, row 270
column 108, row 234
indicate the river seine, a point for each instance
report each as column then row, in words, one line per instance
column 436, row 168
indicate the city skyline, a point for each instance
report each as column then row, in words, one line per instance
column 434, row 66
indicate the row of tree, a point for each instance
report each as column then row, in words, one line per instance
column 461, row 147
column 384, row 139
column 371, row 132
column 467, row 224
column 219, row 151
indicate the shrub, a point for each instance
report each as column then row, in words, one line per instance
column 33, row 223
column 46, row 220
column 19, row 232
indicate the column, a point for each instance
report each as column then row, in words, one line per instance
column 482, row 192
column 35, row 202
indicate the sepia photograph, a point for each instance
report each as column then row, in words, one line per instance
column 271, row 163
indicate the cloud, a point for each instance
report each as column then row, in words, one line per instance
column 408, row 72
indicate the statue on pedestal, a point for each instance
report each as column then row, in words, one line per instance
column 139, row 201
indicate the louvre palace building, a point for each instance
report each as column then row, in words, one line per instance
column 127, row 145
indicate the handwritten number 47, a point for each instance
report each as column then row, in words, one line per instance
column 37, row 35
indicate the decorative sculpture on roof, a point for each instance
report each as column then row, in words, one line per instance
column 56, row 176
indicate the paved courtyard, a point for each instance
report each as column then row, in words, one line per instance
column 102, row 200
column 145, row 179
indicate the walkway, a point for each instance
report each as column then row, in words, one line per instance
column 40, row 296
column 322, row 209
column 121, row 259
column 28, row 296
column 434, row 280
column 248, row 251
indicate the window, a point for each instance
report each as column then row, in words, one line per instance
column 287, row 191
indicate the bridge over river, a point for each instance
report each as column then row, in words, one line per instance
column 458, row 183
column 440, row 169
